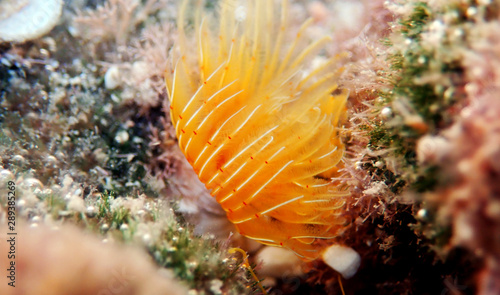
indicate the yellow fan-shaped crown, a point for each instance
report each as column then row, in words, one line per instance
column 258, row 125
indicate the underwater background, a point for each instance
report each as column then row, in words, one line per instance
column 97, row 198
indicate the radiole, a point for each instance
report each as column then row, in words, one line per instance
column 259, row 127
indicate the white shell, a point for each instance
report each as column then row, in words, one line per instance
column 22, row 20
column 343, row 259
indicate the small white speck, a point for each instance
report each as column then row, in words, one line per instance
column 21, row 203
column 18, row 159
column 471, row 88
column 146, row 238
column 422, row 213
column 6, row 62
column 51, row 160
column 121, row 137
column 477, row 72
column 458, row 32
column 386, row 112
column 91, row 210
column 6, row 175
column 471, row 11
column 75, row 81
column 240, row 13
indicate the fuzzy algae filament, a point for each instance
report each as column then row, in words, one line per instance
column 259, row 129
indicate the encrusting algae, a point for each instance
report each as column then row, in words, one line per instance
column 260, row 128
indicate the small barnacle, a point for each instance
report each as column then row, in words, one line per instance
column 260, row 129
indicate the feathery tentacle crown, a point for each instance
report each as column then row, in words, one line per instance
column 259, row 128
